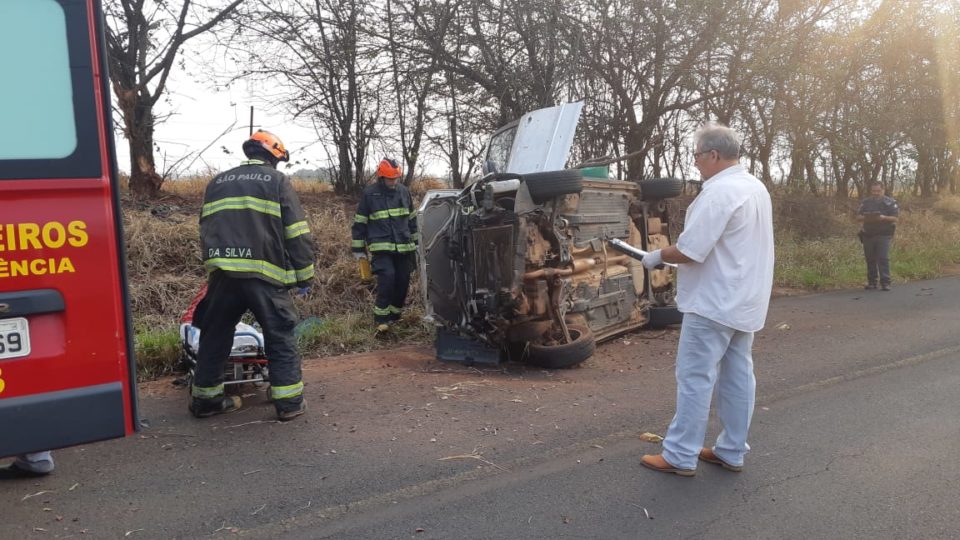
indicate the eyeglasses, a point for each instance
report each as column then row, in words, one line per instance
column 696, row 155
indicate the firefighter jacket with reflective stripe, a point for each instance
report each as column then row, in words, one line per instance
column 385, row 220
column 252, row 226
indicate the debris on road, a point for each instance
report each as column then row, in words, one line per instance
column 473, row 455
column 249, row 423
column 25, row 497
column 645, row 513
column 651, row 437
column 459, row 388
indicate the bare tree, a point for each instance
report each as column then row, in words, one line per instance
column 315, row 52
column 645, row 54
column 412, row 79
column 143, row 40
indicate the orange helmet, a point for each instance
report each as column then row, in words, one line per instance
column 264, row 140
column 389, row 168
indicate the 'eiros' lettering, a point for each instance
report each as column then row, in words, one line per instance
column 49, row 235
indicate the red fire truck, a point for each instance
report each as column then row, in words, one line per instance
column 67, row 372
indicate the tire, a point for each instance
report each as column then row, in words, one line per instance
column 544, row 186
column 662, row 317
column 566, row 355
column 660, row 188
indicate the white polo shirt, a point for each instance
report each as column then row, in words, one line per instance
column 728, row 231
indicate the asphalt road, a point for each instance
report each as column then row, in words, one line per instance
column 853, row 437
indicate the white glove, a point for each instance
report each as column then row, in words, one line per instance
column 359, row 255
column 652, row 260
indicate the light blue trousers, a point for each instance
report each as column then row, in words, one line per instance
column 711, row 355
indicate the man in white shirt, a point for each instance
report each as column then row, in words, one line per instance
column 725, row 275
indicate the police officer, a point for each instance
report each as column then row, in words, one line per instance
column 386, row 225
column 878, row 215
column 256, row 245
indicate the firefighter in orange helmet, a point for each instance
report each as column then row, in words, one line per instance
column 386, row 225
column 256, row 246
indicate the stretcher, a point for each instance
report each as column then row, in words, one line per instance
column 247, row 362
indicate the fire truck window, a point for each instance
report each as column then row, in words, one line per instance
column 37, row 119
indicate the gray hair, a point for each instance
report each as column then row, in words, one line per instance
column 717, row 137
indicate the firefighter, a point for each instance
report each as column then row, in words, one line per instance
column 256, row 247
column 386, row 226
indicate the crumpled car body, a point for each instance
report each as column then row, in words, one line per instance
column 519, row 266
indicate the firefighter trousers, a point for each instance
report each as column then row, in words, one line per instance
column 393, row 280
column 217, row 315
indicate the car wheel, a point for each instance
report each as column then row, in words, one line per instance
column 544, row 186
column 660, row 188
column 662, row 317
column 565, row 355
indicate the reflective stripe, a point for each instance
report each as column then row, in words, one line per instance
column 297, row 229
column 286, row 392
column 381, row 311
column 360, row 219
column 390, row 246
column 255, row 266
column 394, row 309
column 242, row 203
column 208, row 392
column 304, row 274
column 392, row 212
column 253, row 162
column 358, row 243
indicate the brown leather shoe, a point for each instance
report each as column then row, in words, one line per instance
column 659, row 464
column 706, row 454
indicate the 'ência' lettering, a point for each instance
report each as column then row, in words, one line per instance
column 36, row 267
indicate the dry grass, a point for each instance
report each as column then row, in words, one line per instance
column 948, row 204
column 925, row 245
column 193, row 187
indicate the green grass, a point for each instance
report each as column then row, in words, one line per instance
column 355, row 332
column 925, row 245
column 157, row 351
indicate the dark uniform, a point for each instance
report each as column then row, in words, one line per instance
column 877, row 237
column 256, row 245
column 386, row 225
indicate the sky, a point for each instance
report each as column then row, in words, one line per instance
column 202, row 120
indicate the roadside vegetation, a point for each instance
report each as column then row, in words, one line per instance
column 817, row 250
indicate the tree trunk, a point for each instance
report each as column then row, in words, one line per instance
column 138, row 128
column 344, row 180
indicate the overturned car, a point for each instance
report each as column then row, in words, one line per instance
column 524, row 264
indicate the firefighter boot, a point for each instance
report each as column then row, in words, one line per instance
column 288, row 410
column 202, row 408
